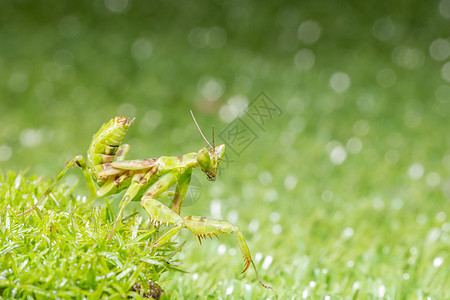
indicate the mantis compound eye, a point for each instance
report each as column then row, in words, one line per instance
column 220, row 152
column 204, row 160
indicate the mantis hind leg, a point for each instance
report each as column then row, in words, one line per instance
column 80, row 162
column 203, row 227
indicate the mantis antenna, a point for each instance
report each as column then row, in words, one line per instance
column 214, row 144
column 198, row 127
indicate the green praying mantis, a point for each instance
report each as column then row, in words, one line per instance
column 147, row 180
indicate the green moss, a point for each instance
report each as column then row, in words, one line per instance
column 63, row 250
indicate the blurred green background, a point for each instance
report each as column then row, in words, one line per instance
column 347, row 192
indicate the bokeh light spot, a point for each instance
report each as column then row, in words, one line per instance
column 445, row 71
column 258, row 257
column 287, row 138
column 271, row 195
column 222, row 249
column 361, row 127
column 408, row 58
column 438, row 261
column 267, row 262
column 354, row 145
column 348, row 232
column 439, row 49
column 366, row 103
column 233, row 216
column 274, row 217
column 229, row 290
column 386, row 78
column 290, row 182
column 339, row 82
column 253, row 225
column 442, row 94
column 116, row 6
column 295, row 106
column 441, row 216
column 397, row 203
column 216, row 37
column 5, row 152
column 416, row 171
column 338, row 155
column 327, row 195
column 304, row 59
column 421, row 219
column 444, row 8
column 433, row 179
column 232, row 251
column 215, row 208
column 276, row 229
column 142, row 49
column 392, row 156
column 309, row 32
column 211, row 88
column 433, row 235
column 383, row 29
column 30, row 137
column 378, row 204
column 234, row 108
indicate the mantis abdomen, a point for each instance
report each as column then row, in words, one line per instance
column 105, row 145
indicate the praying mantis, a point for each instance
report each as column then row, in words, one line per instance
column 147, row 180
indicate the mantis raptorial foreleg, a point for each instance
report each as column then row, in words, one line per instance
column 180, row 192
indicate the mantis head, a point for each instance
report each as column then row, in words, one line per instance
column 209, row 160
